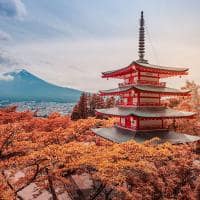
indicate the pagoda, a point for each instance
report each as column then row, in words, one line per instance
column 140, row 111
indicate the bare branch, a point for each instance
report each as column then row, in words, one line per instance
column 31, row 180
column 51, row 187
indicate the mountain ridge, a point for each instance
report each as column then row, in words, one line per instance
column 21, row 85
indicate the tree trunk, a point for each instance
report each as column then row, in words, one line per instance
column 51, row 187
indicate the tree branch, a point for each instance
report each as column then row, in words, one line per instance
column 10, row 186
column 31, row 180
column 51, row 187
column 98, row 192
column 6, row 141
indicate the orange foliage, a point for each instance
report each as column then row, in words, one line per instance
column 50, row 151
column 189, row 103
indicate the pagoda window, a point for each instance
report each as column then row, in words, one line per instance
column 134, row 101
column 126, row 81
column 133, row 94
column 136, row 78
column 133, row 123
column 122, row 121
column 125, row 101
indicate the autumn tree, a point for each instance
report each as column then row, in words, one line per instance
column 52, row 152
column 86, row 106
column 188, row 103
column 80, row 110
column 92, row 104
column 88, row 103
column 75, row 113
column 110, row 102
column 195, row 96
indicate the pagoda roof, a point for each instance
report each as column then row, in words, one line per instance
column 162, row 68
column 145, row 67
column 116, row 90
column 119, row 135
column 146, row 88
column 145, row 112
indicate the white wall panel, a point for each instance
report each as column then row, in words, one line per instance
column 149, row 100
column 148, row 123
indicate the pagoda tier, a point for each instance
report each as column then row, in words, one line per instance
column 119, row 135
column 144, row 118
column 164, row 91
column 146, row 112
column 145, row 69
column 143, row 95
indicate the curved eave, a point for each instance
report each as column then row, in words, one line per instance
column 162, row 69
column 146, row 112
column 146, row 89
column 162, row 90
column 169, row 71
column 119, row 135
column 115, row 91
column 118, row 72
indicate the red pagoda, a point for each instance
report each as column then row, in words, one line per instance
column 140, row 111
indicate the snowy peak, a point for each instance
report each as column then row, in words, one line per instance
column 17, row 72
column 21, row 74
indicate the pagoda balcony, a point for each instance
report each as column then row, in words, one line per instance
column 143, row 128
column 125, row 84
column 143, row 82
column 122, row 104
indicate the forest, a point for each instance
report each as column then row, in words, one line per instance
column 62, row 156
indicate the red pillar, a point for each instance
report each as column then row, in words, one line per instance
column 137, row 123
column 128, row 122
column 159, row 99
column 138, row 99
column 139, row 76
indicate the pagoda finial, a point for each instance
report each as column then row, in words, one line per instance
column 141, row 49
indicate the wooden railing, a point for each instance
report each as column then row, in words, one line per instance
column 141, row 104
column 141, row 128
column 143, row 82
column 124, row 84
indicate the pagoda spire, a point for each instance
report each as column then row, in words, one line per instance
column 141, row 44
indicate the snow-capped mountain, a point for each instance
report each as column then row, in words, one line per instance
column 20, row 85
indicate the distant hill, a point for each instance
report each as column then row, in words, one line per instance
column 20, row 85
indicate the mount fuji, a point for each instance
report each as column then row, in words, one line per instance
column 21, row 85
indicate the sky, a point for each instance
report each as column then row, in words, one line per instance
column 70, row 42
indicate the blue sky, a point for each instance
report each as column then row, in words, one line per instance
column 69, row 42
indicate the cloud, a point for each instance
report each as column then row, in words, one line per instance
column 79, row 63
column 8, row 61
column 6, row 77
column 4, row 36
column 12, row 8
